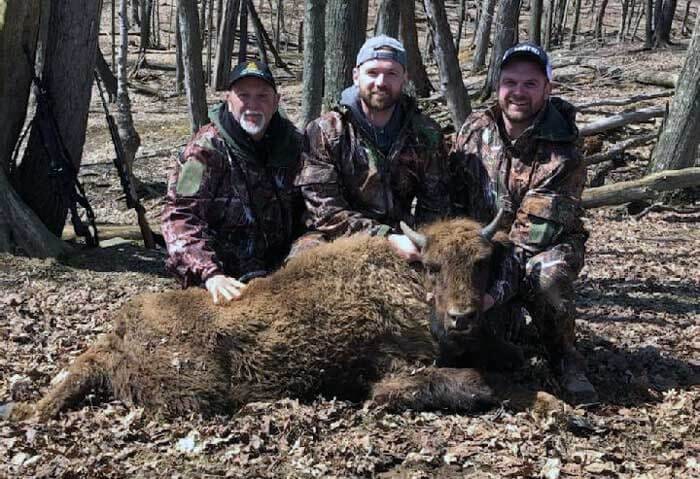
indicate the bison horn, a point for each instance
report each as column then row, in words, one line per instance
column 417, row 238
column 490, row 229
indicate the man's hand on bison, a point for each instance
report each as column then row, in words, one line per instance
column 224, row 288
column 404, row 247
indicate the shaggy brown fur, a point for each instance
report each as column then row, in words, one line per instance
column 334, row 321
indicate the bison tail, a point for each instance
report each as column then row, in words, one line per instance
column 431, row 389
column 87, row 375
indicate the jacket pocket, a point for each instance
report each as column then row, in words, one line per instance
column 548, row 215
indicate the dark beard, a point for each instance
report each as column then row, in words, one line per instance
column 388, row 101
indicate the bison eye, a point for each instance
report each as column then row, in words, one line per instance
column 432, row 267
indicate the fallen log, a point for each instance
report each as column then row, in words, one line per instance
column 624, row 101
column 618, row 148
column 643, row 189
column 111, row 231
column 616, row 121
column 669, row 80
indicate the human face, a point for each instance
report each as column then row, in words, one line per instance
column 522, row 91
column 252, row 102
column 380, row 83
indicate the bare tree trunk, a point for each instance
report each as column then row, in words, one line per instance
column 504, row 38
column 623, row 19
column 678, row 143
column 388, row 18
column 113, row 35
column 224, row 48
column 409, row 35
column 451, row 82
column 68, row 74
column 574, row 27
column 192, row 62
column 664, row 23
column 343, row 40
column 106, row 74
column 179, row 66
column 536, row 22
column 648, row 31
column 598, row 31
column 562, row 6
column 145, row 36
column 202, row 17
column 260, row 33
column 135, row 18
column 314, row 51
column 460, row 26
column 684, row 22
column 156, row 24
column 210, row 40
column 483, row 34
column 243, row 29
column 125, row 123
column 19, row 24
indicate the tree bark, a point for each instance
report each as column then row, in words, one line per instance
column 260, row 33
column 460, row 26
column 678, row 144
column 343, row 40
column 535, row 34
column 224, row 47
column 106, row 74
column 646, row 188
column 388, row 18
column 192, row 62
column 665, row 79
column 451, row 82
column 648, row 31
column 125, row 123
column 243, row 29
column 409, row 35
column 548, row 23
column 19, row 24
column 147, row 9
column 598, row 31
column 179, row 66
column 483, row 33
column 574, row 27
column 68, row 74
column 504, row 38
column 314, row 51
column 662, row 32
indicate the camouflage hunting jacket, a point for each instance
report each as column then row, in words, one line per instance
column 537, row 178
column 231, row 206
column 350, row 186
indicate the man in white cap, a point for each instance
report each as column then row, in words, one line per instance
column 372, row 156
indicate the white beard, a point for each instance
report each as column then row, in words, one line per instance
column 250, row 127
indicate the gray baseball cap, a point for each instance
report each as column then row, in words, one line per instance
column 382, row 47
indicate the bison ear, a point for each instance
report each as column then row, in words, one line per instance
column 418, row 239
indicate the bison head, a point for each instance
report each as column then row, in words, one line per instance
column 458, row 256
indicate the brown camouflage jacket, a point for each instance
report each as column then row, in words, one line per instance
column 537, row 179
column 231, row 206
column 349, row 186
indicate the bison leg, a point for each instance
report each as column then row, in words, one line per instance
column 458, row 390
column 86, row 374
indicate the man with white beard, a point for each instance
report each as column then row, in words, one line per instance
column 232, row 210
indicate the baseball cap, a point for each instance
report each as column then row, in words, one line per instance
column 253, row 69
column 531, row 51
column 375, row 48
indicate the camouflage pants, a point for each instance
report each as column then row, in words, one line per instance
column 549, row 296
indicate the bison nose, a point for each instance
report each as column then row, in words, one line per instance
column 462, row 319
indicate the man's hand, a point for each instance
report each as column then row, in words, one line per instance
column 404, row 247
column 224, row 288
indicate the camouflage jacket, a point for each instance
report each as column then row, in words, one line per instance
column 350, row 186
column 537, row 179
column 232, row 207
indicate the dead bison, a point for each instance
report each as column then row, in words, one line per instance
column 348, row 319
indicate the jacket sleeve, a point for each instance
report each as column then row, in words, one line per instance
column 433, row 198
column 328, row 211
column 191, row 190
column 550, row 213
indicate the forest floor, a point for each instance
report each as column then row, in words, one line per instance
column 638, row 325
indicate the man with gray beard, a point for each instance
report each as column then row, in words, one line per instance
column 232, row 210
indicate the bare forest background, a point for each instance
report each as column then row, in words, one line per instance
column 70, row 69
